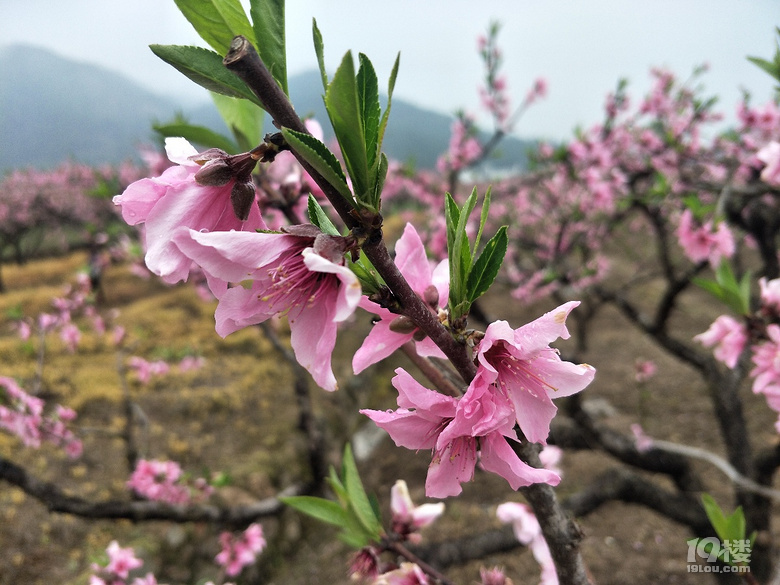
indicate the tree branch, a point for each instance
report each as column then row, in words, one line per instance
column 56, row 500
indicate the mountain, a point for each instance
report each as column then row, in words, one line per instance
column 53, row 109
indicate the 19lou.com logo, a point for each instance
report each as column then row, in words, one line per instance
column 734, row 554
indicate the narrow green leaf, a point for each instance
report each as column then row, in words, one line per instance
column 358, row 499
column 205, row 68
column 338, row 487
column 379, row 180
column 711, row 287
column 452, row 218
column 452, row 213
column 319, row 49
column 768, row 66
column 354, row 539
column 393, row 75
column 319, row 508
column 244, row 118
column 341, row 102
column 482, row 219
column 486, row 268
column 268, row 25
column 460, row 257
column 735, row 525
column 715, row 515
column 368, row 102
column 217, row 21
column 319, row 157
column 461, row 251
column 319, row 218
column 386, row 114
column 199, row 135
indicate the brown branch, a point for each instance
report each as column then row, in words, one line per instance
column 561, row 532
column 56, row 500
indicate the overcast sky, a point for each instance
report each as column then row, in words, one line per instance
column 581, row 47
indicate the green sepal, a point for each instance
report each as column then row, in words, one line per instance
column 319, row 218
column 370, row 281
column 319, row 157
column 205, row 68
column 198, row 135
column 268, row 25
column 217, row 21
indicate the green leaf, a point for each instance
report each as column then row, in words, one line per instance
column 379, row 180
column 486, row 268
column 482, row 219
column 370, row 110
column 386, row 115
column 358, row 499
column 735, row 525
column 768, row 66
column 205, row 68
column 460, row 254
column 319, row 49
column 268, row 26
column 320, row 219
column 338, row 487
column 715, row 515
column 199, row 135
column 319, row 157
column 341, row 102
column 319, row 508
column 217, row 21
column 244, row 119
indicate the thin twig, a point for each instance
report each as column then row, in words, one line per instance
column 728, row 470
column 429, row 369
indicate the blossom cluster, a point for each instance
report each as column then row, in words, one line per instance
column 76, row 302
column 517, row 377
column 164, row 481
column 761, row 334
column 299, row 272
column 240, row 551
column 23, row 415
column 121, row 562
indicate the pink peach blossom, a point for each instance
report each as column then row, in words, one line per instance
column 300, row 274
column 728, row 336
column 174, row 200
column 520, row 366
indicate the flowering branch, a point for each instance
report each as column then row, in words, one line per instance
column 55, row 500
column 243, row 60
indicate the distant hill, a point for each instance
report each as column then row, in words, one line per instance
column 53, row 109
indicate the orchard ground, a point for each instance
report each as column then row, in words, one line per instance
column 237, row 414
